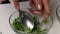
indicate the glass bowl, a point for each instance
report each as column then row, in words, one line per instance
column 58, row 12
column 44, row 27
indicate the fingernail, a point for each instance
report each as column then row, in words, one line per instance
column 39, row 7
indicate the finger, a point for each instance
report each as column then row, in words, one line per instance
column 47, row 9
column 35, row 4
column 44, row 18
column 31, row 3
column 2, row 1
column 16, row 4
column 38, row 4
column 46, row 6
column 35, row 12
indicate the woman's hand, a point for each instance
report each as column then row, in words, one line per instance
column 46, row 9
column 16, row 4
column 2, row 1
column 39, row 6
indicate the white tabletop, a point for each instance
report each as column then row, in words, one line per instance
column 7, row 9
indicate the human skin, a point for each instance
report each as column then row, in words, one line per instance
column 2, row 1
column 43, row 6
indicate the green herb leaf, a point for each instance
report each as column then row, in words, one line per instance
column 17, row 25
column 46, row 21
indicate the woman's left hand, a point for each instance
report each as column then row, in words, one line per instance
column 2, row 1
column 37, row 6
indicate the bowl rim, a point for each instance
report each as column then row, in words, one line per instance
column 57, row 12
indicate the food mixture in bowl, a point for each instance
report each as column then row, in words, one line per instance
column 39, row 28
column 16, row 24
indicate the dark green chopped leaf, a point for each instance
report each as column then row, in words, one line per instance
column 17, row 25
column 46, row 21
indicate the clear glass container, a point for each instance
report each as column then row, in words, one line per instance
column 43, row 26
column 58, row 12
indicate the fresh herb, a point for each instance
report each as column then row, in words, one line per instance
column 46, row 21
column 36, row 22
column 44, row 31
column 16, row 24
